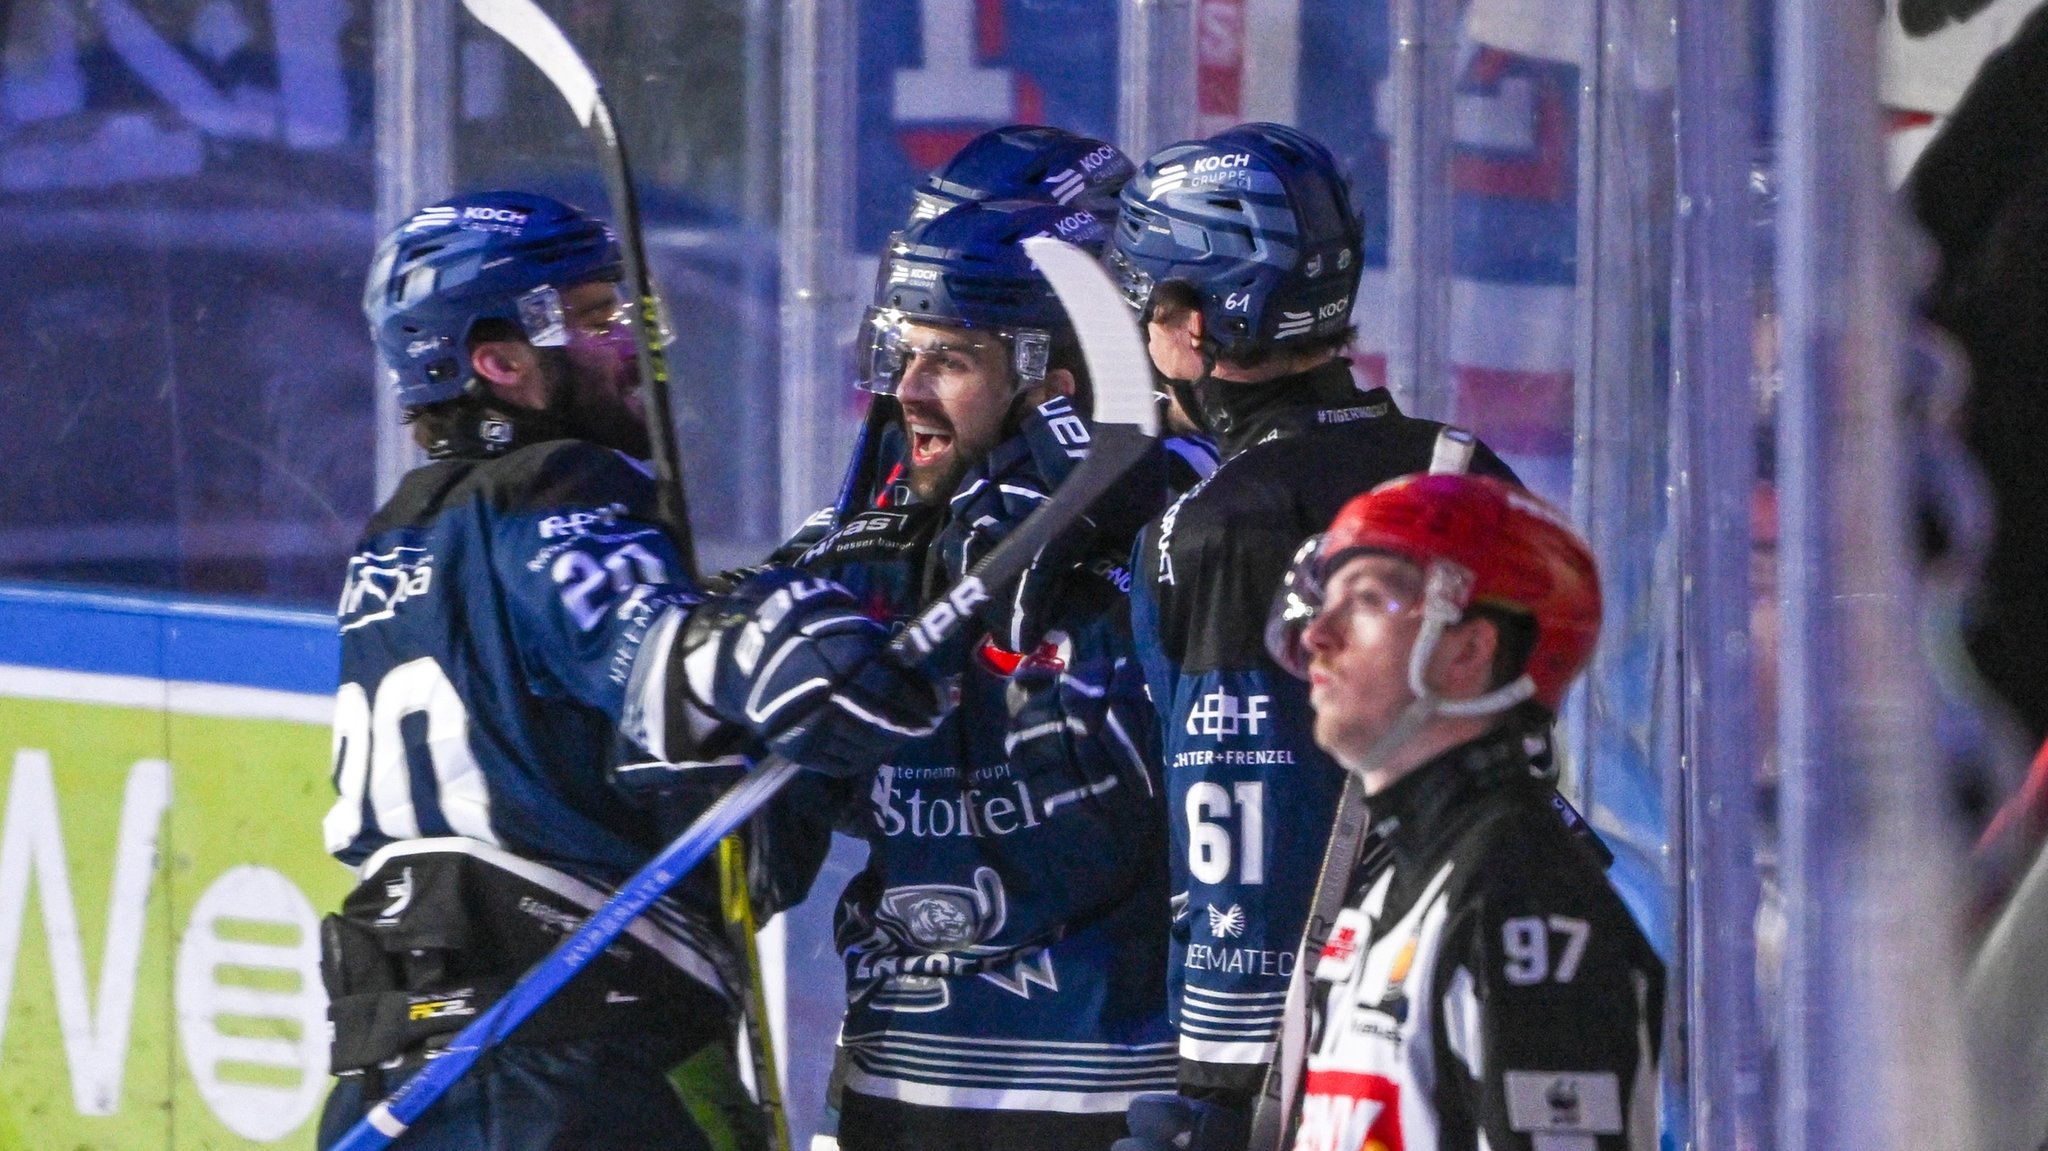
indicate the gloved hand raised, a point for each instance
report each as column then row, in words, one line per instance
column 791, row 658
column 1167, row 1122
column 996, row 495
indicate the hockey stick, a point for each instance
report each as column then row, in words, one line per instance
column 528, row 29
column 1273, row 1105
column 524, row 26
column 1126, row 427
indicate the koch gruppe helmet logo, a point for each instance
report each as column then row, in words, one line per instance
column 490, row 218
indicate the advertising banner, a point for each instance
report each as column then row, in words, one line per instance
column 161, row 876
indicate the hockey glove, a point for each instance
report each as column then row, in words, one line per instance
column 791, row 658
column 1062, row 733
column 997, row 494
column 1162, row 1122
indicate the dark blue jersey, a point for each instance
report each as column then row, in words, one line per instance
column 1249, row 795
column 1005, row 945
column 489, row 629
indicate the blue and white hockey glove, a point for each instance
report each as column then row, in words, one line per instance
column 1165, row 1122
column 995, row 496
column 791, row 658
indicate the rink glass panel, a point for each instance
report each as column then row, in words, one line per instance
column 189, row 190
column 186, row 190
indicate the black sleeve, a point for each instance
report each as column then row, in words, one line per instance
column 1550, row 1008
column 1486, row 463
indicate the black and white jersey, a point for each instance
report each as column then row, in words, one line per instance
column 1484, row 986
column 1249, row 795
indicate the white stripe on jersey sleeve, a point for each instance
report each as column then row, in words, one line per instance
column 1214, row 1051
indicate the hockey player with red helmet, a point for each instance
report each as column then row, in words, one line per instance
column 1481, row 985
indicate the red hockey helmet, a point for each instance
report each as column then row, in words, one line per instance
column 1482, row 542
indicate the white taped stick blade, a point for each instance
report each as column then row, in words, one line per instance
column 527, row 28
column 1453, row 455
column 1117, row 360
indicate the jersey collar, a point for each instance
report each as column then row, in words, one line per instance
column 1410, row 813
column 1241, row 415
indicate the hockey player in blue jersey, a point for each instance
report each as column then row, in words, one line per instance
column 1242, row 254
column 518, row 639
column 1014, row 162
column 1005, row 945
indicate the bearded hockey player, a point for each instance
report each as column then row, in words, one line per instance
column 1005, row 946
column 1483, row 985
column 1015, row 162
column 1242, row 254
column 517, row 634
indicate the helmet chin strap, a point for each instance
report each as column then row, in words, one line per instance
column 1447, row 589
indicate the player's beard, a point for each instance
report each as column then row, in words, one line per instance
column 935, row 482
column 590, row 409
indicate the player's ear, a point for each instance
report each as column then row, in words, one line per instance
column 506, row 367
column 1462, row 666
column 1058, row 382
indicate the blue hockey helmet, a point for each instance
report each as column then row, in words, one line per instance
column 1026, row 162
column 966, row 268
column 1258, row 221
column 481, row 256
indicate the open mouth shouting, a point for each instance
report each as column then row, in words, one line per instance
column 931, row 440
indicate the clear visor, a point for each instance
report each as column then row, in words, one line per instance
column 1296, row 605
column 545, row 317
column 1317, row 584
column 892, row 341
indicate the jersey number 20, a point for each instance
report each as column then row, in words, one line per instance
column 370, row 755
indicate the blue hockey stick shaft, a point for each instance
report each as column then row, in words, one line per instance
column 389, row 1119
